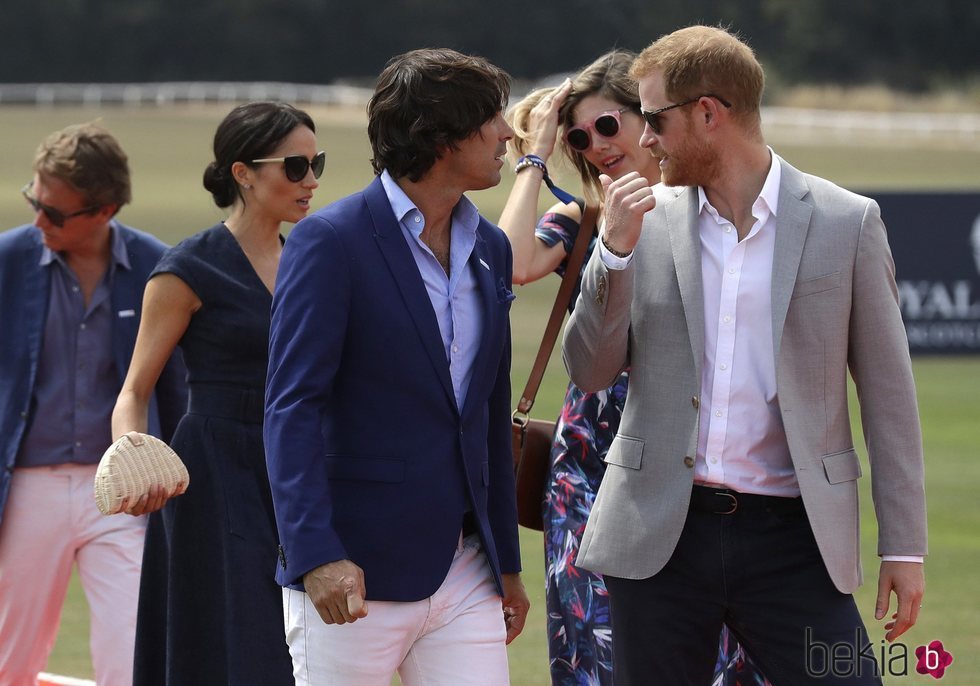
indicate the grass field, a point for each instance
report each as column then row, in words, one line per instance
column 169, row 148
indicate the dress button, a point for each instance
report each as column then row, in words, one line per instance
column 688, row 461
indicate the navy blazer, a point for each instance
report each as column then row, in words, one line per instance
column 24, row 290
column 369, row 457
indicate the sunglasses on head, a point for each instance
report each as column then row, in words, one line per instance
column 607, row 125
column 296, row 166
column 653, row 118
column 55, row 216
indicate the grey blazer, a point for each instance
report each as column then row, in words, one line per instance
column 834, row 310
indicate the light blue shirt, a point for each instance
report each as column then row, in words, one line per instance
column 77, row 382
column 455, row 298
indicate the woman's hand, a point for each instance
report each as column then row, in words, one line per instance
column 152, row 501
column 543, row 121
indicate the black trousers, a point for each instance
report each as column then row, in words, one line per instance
column 758, row 571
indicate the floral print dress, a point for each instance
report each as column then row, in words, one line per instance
column 579, row 630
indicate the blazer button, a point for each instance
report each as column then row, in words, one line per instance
column 600, row 292
column 688, row 461
column 696, row 402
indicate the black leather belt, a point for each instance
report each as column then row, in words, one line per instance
column 725, row 501
column 240, row 404
column 469, row 524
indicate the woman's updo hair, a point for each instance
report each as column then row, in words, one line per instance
column 249, row 132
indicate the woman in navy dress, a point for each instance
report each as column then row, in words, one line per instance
column 599, row 112
column 210, row 611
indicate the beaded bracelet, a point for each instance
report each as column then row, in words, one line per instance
column 538, row 163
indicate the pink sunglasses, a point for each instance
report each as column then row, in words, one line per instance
column 606, row 124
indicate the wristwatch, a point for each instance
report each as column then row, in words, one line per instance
column 613, row 250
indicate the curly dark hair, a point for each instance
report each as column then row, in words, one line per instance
column 427, row 101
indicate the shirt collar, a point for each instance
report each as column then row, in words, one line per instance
column 120, row 257
column 768, row 197
column 466, row 216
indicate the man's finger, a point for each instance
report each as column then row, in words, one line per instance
column 356, row 607
column 881, row 602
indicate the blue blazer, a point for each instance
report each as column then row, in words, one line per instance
column 369, row 457
column 24, row 289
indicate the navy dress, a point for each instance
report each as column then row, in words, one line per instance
column 210, row 611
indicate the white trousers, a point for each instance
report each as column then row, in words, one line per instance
column 50, row 522
column 454, row 638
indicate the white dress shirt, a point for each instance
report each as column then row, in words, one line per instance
column 741, row 439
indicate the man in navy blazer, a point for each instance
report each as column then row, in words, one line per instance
column 387, row 424
column 71, row 288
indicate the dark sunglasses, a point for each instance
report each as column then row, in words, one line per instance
column 296, row 166
column 653, row 118
column 55, row 216
column 607, row 125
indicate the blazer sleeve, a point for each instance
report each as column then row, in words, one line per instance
column 309, row 316
column 878, row 358
column 501, row 496
column 595, row 347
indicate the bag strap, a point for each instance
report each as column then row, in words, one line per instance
column 573, row 270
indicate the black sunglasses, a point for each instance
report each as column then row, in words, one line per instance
column 606, row 125
column 653, row 118
column 55, row 216
column 296, row 166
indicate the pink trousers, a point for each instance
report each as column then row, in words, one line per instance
column 50, row 523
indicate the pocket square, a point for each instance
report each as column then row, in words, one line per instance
column 504, row 294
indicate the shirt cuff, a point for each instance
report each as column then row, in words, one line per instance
column 903, row 558
column 611, row 261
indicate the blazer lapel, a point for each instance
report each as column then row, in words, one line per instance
column 792, row 223
column 685, row 243
column 36, row 287
column 488, row 297
column 401, row 262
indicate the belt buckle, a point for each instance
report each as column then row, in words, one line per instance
column 734, row 502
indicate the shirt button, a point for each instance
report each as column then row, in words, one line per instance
column 455, row 348
column 714, row 460
column 731, row 271
column 727, row 318
column 78, row 444
column 717, row 413
column 417, row 219
column 723, row 366
column 728, row 229
column 688, row 461
column 74, row 289
column 82, row 327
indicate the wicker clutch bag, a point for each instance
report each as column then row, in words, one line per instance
column 131, row 466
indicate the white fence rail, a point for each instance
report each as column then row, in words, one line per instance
column 133, row 94
column 811, row 124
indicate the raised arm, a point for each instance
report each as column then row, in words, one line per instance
column 535, row 122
